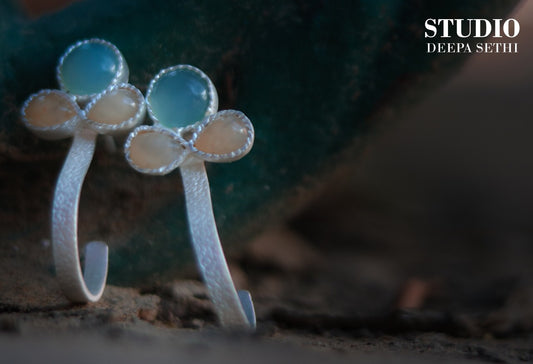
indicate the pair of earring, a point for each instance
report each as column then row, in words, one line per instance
column 95, row 98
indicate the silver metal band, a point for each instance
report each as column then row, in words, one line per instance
column 76, row 286
column 234, row 310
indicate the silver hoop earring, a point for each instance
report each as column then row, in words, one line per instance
column 182, row 102
column 93, row 99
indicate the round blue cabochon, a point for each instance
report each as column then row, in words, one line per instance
column 180, row 97
column 89, row 68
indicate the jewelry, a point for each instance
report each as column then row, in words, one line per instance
column 91, row 73
column 182, row 102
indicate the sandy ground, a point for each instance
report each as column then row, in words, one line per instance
column 368, row 306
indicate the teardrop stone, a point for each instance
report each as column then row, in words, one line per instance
column 152, row 150
column 222, row 135
column 89, row 68
column 115, row 107
column 49, row 109
column 179, row 98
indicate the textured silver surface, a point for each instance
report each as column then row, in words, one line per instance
column 234, row 309
column 208, row 250
column 75, row 286
column 78, row 287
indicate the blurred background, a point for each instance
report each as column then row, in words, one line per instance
column 427, row 230
column 445, row 193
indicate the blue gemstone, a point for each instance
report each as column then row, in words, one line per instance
column 180, row 98
column 89, row 68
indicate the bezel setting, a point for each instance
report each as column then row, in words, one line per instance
column 233, row 308
column 227, row 157
column 179, row 142
column 126, row 125
column 121, row 75
column 213, row 96
column 56, row 131
column 78, row 285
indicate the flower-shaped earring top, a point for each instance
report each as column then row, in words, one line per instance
column 182, row 101
column 92, row 75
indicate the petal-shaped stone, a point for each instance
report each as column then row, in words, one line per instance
column 224, row 134
column 48, row 109
column 152, row 150
column 89, row 68
column 115, row 107
column 180, row 97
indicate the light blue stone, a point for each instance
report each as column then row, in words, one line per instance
column 89, row 69
column 180, row 98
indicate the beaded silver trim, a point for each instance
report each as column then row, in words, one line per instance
column 126, row 125
column 121, row 75
column 57, row 131
column 178, row 142
column 228, row 157
column 213, row 96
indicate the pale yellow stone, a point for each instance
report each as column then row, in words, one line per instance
column 150, row 150
column 223, row 135
column 115, row 107
column 49, row 109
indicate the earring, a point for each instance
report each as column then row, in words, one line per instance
column 92, row 74
column 182, row 102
